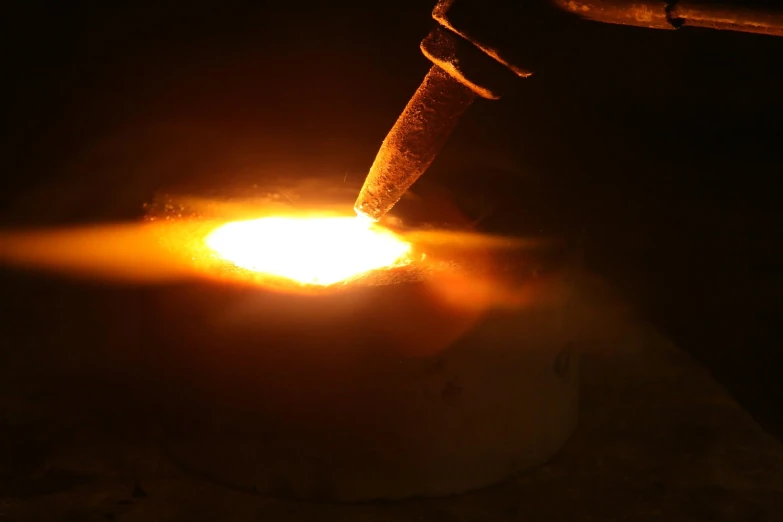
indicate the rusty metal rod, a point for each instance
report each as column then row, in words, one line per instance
column 414, row 141
column 752, row 16
column 730, row 16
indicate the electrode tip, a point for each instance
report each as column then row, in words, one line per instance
column 362, row 217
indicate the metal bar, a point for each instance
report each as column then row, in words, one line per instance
column 754, row 16
column 729, row 16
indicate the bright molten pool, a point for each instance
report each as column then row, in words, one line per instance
column 317, row 251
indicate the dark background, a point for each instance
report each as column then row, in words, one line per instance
column 662, row 147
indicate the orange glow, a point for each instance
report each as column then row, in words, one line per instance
column 309, row 250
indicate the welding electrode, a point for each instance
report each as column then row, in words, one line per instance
column 461, row 72
column 411, row 145
column 467, row 63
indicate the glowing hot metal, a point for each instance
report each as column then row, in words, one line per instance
column 317, row 251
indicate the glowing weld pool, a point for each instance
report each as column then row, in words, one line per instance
column 317, row 251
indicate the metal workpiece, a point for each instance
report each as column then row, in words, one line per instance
column 753, row 16
column 414, row 141
column 370, row 389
